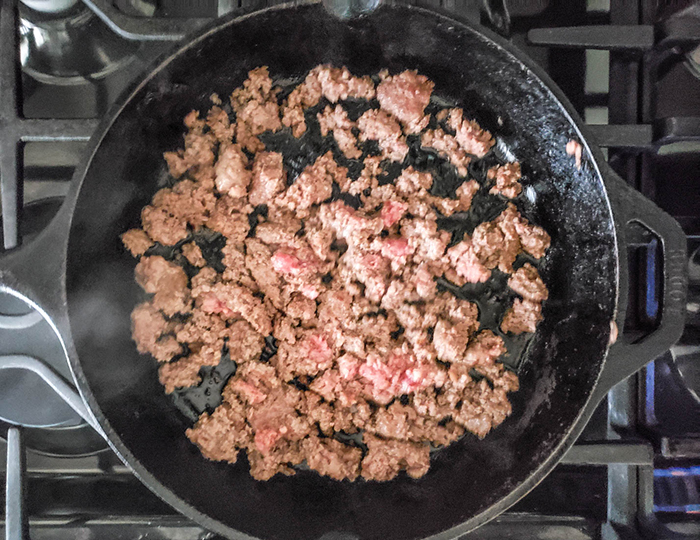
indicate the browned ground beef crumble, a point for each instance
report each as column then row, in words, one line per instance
column 367, row 344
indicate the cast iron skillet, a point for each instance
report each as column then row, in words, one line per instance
column 79, row 276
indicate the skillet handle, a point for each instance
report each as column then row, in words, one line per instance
column 35, row 272
column 627, row 356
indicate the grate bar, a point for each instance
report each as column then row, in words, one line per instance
column 622, row 135
column 40, row 130
column 9, row 157
column 677, row 129
column 607, row 453
column 144, row 28
column 614, row 38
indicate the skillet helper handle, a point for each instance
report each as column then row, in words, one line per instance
column 626, row 356
column 35, row 271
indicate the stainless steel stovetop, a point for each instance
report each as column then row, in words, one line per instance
column 631, row 68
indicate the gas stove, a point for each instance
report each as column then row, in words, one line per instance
column 632, row 70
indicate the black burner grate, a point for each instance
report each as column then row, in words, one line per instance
column 605, row 485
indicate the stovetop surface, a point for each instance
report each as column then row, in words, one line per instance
column 637, row 464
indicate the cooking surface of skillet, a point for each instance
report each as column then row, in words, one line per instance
column 468, row 481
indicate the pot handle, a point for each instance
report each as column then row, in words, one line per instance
column 626, row 355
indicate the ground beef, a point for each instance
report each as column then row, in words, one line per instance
column 136, row 241
column 368, row 177
column 275, row 420
column 253, row 384
column 423, row 278
column 407, row 423
column 255, row 104
column 332, row 458
column 202, row 328
column 397, row 421
column 228, row 220
column 220, row 125
column 190, row 201
column 506, row 178
column 193, row 254
column 339, row 84
column 447, row 146
column 412, row 182
column 523, row 316
column 269, row 178
column 177, row 166
column 305, row 95
column 398, row 374
column 386, row 457
column 533, row 239
column 337, row 121
column 310, row 355
column 255, row 119
column 167, row 280
column 469, row 135
column 221, row 434
column 575, row 149
column 496, row 245
column 465, row 193
column 466, row 265
column 300, row 269
column 450, row 340
column 332, row 418
column 488, row 241
column 314, row 185
column 526, row 281
column 406, row 96
column 235, row 270
column 485, row 348
column 280, row 229
column 232, row 174
column 319, row 239
column 411, row 192
column 482, row 408
column 244, row 342
column 198, row 151
column 162, row 227
column 450, row 307
column 184, row 371
column 499, row 376
column 333, row 310
column 199, row 144
column 378, row 125
column 280, row 460
column 348, row 224
column 148, row 328
column 257, row 87
column 232, row 301
column 301, row 308
column 257, row 261
column 424, row 236
column 332, row 83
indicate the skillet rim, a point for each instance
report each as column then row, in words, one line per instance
column 239, row 17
